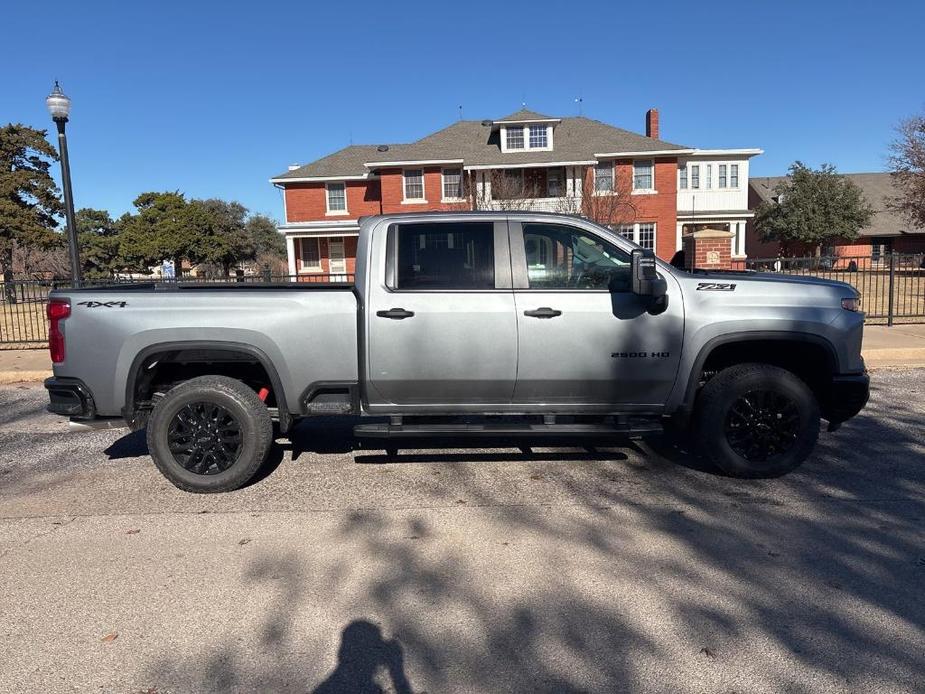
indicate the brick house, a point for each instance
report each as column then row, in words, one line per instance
column 887, row 232
column 650, row 190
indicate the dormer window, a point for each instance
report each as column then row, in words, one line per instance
column 526, row 137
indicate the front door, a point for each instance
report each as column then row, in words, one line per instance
column 337, row 261
column 441, row 331
column 586, row 342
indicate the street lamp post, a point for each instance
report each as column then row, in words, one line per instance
column 59, row 106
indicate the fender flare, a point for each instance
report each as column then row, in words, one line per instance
column 285, row 419
column 710, row 345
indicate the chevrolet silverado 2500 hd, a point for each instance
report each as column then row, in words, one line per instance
column 510, row 324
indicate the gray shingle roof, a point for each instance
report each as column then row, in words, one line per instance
column 574, row 139
column 877, row 188
column 525, row 114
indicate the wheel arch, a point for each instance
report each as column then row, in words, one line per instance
column 763, row 347
column 205, row 348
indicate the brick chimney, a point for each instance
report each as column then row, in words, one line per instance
column 652, row 123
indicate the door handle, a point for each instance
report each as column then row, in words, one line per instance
column 395, row 313
column 543, row 312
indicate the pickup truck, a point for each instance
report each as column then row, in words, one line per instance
column 496, row 324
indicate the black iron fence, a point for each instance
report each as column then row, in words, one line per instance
column 23, row 324
column 892, row 286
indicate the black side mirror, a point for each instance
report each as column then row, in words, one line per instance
column 646, row 281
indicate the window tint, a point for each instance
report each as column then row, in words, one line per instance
column 446, row 256
column 561, row 257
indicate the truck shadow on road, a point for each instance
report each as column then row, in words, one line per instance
column 624, row 577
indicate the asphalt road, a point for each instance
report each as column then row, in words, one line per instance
column 625, row 568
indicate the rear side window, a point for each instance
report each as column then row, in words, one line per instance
column 448, row 255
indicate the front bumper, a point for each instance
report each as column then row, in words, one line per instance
column 847, row 396
column 70, row 397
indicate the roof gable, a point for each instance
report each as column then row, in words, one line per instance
column 524, row 115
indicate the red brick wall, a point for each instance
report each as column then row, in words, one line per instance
column 307, row 202
column 697, row 253
column 392, row 183
column 661, row 207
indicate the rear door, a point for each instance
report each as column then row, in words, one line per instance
column 441, row 328
column 585, row 340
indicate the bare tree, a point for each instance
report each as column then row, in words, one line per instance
column 611, row 206
column 505, row 191
column 907, row 161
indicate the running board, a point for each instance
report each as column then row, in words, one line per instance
column 640, row 427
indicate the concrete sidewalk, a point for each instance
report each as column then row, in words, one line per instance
column 901, row 345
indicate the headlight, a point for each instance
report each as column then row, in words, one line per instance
column 851, row 304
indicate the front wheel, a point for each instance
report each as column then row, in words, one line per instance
column 210, row 434
column 756, row 420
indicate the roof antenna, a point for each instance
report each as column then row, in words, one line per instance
column 579, row 101
column 350, row 136
column 460, row 111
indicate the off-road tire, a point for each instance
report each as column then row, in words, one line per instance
column 237, row 400
column 717, row 417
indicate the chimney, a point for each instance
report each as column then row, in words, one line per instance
column 293, row 167
column 652, row 123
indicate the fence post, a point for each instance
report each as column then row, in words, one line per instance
column 8, row 287
column 889, row 311
column 267, row 274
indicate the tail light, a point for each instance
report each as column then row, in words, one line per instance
column 57, row 310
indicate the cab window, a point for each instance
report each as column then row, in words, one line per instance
column 562, row 257
column 459, row 255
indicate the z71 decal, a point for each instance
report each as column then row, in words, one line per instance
column 103, row 304
column 715, row 287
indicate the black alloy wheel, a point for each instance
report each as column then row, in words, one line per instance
column 204, row 438
column 762, row 424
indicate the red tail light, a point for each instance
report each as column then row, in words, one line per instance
column 57, row 310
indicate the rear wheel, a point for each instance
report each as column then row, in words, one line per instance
column 210, row 434
column 756, row 420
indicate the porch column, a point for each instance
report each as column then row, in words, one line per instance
column 290, row 255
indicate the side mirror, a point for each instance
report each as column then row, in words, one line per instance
column 646, row 281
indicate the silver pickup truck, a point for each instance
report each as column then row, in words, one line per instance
column 466, row 324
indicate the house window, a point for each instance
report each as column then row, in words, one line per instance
column 337, row 197
column 538, row 138
column 682, row 176
column 311, row 254
column 733, row 175
column 457, row 255
column 642, row 234
column 722, row 175
column 414, row 184
column 515, row 138
column 709, row 177
column 452, row 184
column 695, row 176
column 603, row 177
column 511, row 185
column 642, row 174
column 645, row 236
column 554, row 183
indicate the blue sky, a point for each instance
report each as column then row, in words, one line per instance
column 213, row 98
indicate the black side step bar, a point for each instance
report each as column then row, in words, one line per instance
column 636, row 427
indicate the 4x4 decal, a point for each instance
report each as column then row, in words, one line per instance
column 715, row 287
column 104, row 304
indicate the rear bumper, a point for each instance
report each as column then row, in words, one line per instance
column 70, row 397
column 847, row 396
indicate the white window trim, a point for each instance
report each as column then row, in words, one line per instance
column 327, row 201
column 635, row 227
column 404, row 195
column 443, row 185
column 525, row 127
column 309, row 268
column 643, row 191
column 729, row 186
column 684, row 175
